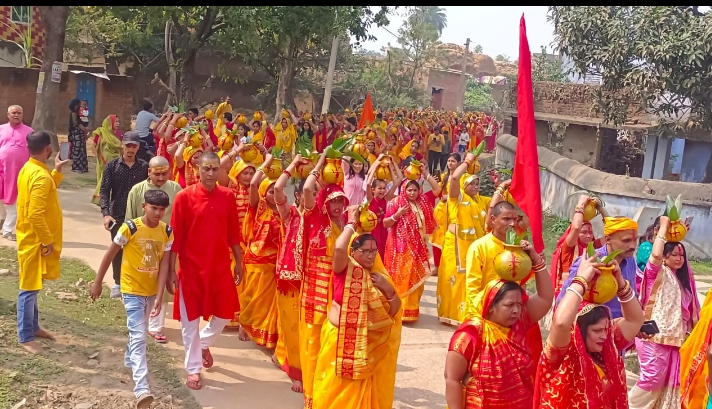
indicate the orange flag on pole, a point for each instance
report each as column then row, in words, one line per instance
column 367, row 116
column 525, row 188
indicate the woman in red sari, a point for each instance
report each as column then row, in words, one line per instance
column 581, row 367
column 378, row 194
column 489, row 353
column 410, row 220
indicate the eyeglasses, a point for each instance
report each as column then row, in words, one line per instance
column 368, row 253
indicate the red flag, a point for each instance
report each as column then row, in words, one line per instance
column 367, row 116
column 525, row 188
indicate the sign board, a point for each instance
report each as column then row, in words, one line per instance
column 57, row 72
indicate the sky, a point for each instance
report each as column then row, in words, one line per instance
column 495, row 28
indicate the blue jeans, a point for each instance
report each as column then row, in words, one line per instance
column 138, row 311
column 27, row 316
column 461, row 148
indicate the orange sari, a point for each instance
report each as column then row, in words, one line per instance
column 694, row 369
column 568, row 378
column 502, row 365
column 262, row 234
column 242, row 199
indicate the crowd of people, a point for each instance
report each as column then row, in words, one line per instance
column 326, row 279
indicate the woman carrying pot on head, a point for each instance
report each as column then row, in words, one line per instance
column 581, row 361
column 437, row 239
column 465, row 213
column 410, row 220
column 356, row 366
column 323, row 223
column 489, row 354
column 669, row 297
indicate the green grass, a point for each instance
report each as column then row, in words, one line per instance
column 59, row 377
column 74, row 180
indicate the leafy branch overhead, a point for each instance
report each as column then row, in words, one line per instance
column 658, row 58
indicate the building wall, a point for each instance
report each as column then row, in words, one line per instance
column 18, row 86
column 581, row 144
column 450, row 83
column 12, row 31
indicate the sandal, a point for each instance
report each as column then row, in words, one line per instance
column 207, row 358
column 158, row 337
column 144, row 401
column 194, row 382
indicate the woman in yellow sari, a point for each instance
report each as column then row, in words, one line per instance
column 323, row 224
column 108, row 148
column 261, row 232
column 437, row 239
column 285, row 132
column 290, row 270
column 695, row 361
column 466, row 211
column 355, row 341
column 489, row 354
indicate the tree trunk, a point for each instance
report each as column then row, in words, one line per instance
column 54, row 20
column 187, row 76
column 284, row 85
column 170, row 61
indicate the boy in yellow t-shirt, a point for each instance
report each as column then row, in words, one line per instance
column 144, row 271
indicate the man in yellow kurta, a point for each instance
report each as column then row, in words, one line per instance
column 481, row 254
column 39, row 234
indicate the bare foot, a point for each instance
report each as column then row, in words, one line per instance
column 242, row 335
column 44, row 334
column 275, row 361
column 32, row 347
column 297, row 386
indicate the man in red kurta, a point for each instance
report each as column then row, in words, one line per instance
column 205, row 228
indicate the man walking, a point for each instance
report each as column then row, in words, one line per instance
column 13, row 155
column 120, row 175
column 205, row 227
column 158, row 179
column 39, row 234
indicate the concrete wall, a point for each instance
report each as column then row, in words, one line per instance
column 18, row 86
column 623, row 195
column 581, row 143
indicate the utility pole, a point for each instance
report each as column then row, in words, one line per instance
column 330, row 76
column 463, row 78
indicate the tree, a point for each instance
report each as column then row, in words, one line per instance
column 478, row 49
column 653, row 57
column 549, row 69
column 54, row 20
column 418, row 40
column 478, row 97
column 501, row 57
column 433, row 15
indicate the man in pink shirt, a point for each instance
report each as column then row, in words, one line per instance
column 13, row 155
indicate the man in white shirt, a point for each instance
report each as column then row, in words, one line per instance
column 464, row 141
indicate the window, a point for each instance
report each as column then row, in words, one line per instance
column 21, row 14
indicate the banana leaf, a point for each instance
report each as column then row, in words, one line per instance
column 511, row 237
column 609, row 258
column 478, row 149
column 354, row 156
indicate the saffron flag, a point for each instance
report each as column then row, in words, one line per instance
column 525, row 187
column 367, row 116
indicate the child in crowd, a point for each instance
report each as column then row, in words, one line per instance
column 144, row 271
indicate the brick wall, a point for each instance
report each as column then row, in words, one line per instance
column 450, row 83
column 562, row 99
column 11, row 30
column 18, row 86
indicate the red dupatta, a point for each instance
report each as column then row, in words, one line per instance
column 318, row 263
column 556, row 272
column 500, row 361
column 407, row 234
column 290, row 264
column 568, row 378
